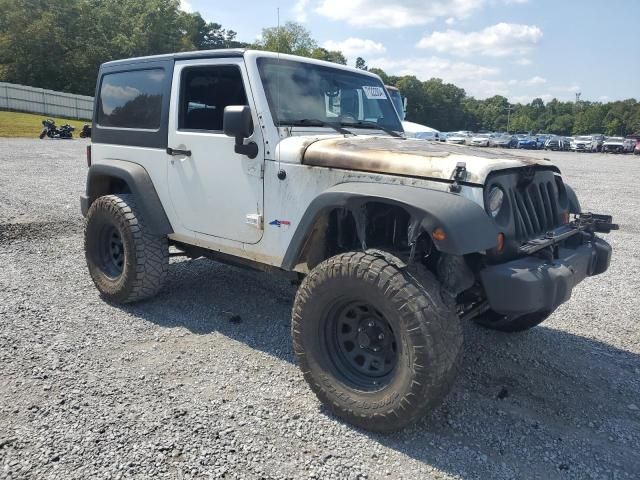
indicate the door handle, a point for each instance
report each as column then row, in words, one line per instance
column 174, row 151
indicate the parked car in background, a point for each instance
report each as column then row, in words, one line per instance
column 630, row 144
column 567, row 143
column 459, row 138
column 598, row 140
column 541, row 139
column 613, row 145
column 583, row 143
column 556, row 143
column 415, row 130
column 504, row 141
column 480, row 140
column 527, row 142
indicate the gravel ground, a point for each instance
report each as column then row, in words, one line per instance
column 200, row 382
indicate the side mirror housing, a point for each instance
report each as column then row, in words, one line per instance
column 237, row 123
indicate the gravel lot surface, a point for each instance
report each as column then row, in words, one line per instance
column 200, row 382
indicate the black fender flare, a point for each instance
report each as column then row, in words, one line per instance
column 466, row 225
column 139, row 183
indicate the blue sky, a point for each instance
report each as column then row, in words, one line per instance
column 518, row 48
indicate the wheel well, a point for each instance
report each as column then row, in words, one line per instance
column 373, row 225
column 106, row 185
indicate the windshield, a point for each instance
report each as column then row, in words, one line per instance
column 482, row 135
column 583, row 138
column 615, row 139
column 299, row 92
column 396, row 98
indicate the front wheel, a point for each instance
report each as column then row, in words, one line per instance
column 126, row 262
column 43, row 133
column 375, row 342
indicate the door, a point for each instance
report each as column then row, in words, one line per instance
column 214, row 190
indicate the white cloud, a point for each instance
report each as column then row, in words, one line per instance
column 523, row 62
column 477, row 80
column 385, row 14
column 186, row 6
column 300, row 10
column 502, row 39
column 535, row 81
column 604, row 98
column 573, row 88
column 450, row 21
column 354, row 47
column 546, row 97
column 402, row 13
column 480, row 81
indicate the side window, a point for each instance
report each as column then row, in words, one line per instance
column 131, row 99
column 204, row 92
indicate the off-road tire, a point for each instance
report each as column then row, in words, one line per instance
column 144, row 256
column 428, row 334
column 43, row 133
column 495, row 321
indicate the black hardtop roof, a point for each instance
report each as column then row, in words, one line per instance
column 221, row 53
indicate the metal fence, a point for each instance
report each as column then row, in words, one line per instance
column 46, row 102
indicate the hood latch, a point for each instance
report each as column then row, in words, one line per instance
column 458, row 175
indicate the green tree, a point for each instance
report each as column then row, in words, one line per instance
column 589, row 118
column 200, row 35
column 412, row 88
column 381, row 73
column 445, row 109
column 361, row 64
column 292, row 38
column 328, row 55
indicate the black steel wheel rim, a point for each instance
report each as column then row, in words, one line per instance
column 361, row 344
column 111, row 251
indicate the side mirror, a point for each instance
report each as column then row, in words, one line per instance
column 237, row 122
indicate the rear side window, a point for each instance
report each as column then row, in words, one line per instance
column 132, row 99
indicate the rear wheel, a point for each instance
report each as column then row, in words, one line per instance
column 126, row 262
column 375, row 342
column 495, row 321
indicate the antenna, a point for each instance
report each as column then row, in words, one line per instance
column 281, row 173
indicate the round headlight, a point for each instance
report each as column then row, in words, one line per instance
column 494, row 201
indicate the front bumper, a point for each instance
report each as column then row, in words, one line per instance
column 613, row 148
column 532, row 284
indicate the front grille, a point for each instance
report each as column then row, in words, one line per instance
column 535, row 209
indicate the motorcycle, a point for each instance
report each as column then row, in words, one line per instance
column 52, row 131
column 86, row 131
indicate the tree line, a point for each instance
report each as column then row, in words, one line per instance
column 60, row 46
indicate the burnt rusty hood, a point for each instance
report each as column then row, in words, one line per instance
column 412, row 158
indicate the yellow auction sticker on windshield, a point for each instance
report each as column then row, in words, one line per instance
column 374, row 93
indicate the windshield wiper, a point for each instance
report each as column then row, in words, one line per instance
column 313, row 122
column 362, row 123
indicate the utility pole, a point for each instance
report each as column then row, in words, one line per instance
column 508, row 115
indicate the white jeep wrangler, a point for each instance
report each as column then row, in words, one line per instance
column 301, row 166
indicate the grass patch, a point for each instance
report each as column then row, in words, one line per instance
column 16, row 124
